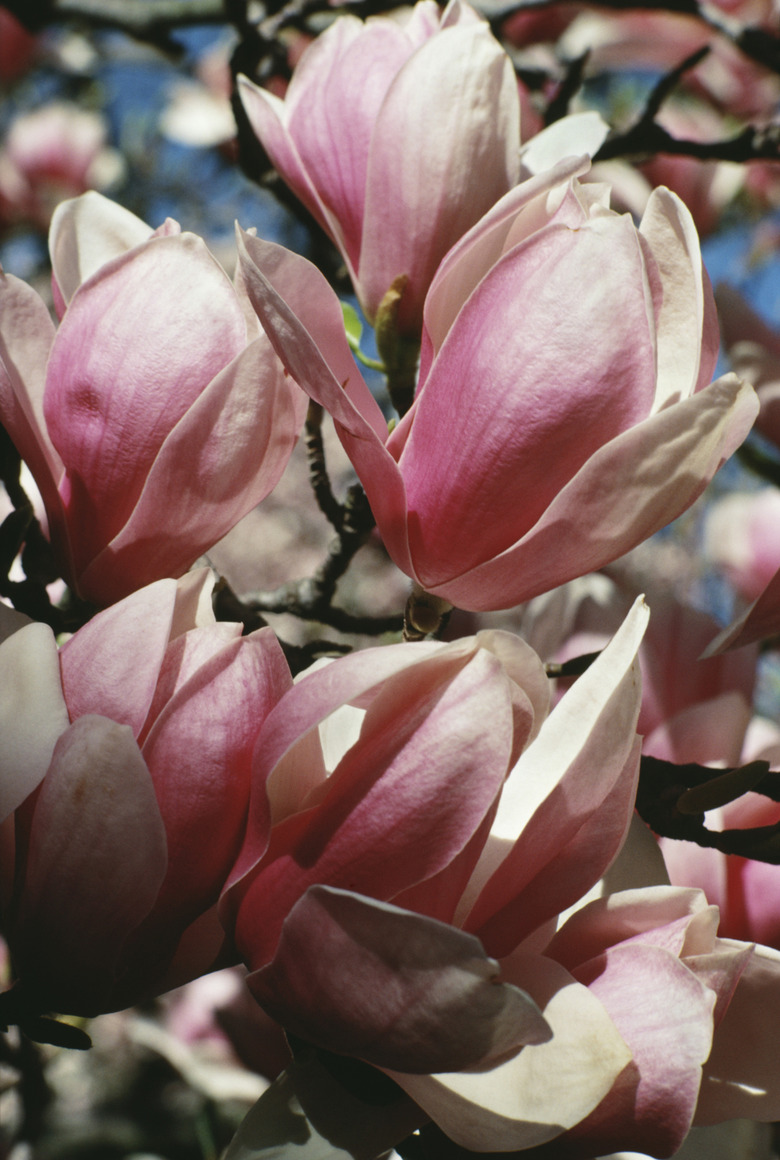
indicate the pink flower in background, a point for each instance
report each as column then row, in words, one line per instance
column 125, row 784
column 57, row 151
column 693, row 709
column 519, row 466
column 753, row 350
column 742, row 537
column 156, row 415
column 397, row 136
column 747, row 892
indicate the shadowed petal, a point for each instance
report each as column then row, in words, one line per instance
column 543, row 1090
column 33, row 713
column 96, row 859
column 396, row 989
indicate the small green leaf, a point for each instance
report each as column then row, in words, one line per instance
column 352, row 325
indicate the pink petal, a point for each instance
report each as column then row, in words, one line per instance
column 112, row 664
column 432, row 755
column 760, row 621
column 96, row 859
column 688, row 337
column 274, row 275
column 662, row 913
column 740, row 1076
column 199, row 753
column 396, row 989
column 567, row 804
column 287, row 781
column 222, row 458
column 33, row 713
column 110, row 400
column 664, row 1014
column 358, row 420
column 533, row 416
column 629, row 489
column 26, row 336
column 333, row 103
column 268, row 117
column 477, row 252
column 445, row 142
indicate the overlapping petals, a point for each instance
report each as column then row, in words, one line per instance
column 427, row 852
column 126, row 764
column 521, row 464
column 156, row 415
column 397, row 137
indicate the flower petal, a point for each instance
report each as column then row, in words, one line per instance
column 224, row 456
column 515, row 1105
column 664, row 1013
column 407, row 797
column 173, row 291
column 451, row 111
column 33, row 713
column 199, row 753
column 96, row 858
column 110, row 667
column 396, row 989
column 86, row 233
column 687, row 323
column 629, row 489
column 543, row 853
column 26, row 337
column 740, row 1076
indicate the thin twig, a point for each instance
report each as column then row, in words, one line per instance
column 318, row 470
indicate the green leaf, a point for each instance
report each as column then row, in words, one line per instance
column 352, row 325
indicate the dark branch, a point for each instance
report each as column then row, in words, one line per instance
column 667, row 793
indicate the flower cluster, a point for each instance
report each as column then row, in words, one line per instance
column 425, row 855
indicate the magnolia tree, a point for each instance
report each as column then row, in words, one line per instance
column 495, row 849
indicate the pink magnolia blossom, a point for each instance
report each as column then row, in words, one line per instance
column 56, row 151
column 742, row 537
column 397, row 136
column 753, row 350
column 156, row 414
column 399, row 889
column 563, row 412
column 125, row 784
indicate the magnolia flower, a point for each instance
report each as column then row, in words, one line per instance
column 124, row 789
column 742, row 537
column 156, row 415
column 562, row 413
column 397, row 136
column 54, row 152
column 753, row 350
column 402, row 877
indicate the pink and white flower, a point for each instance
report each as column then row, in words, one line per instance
column 124, row 791
column 397, row 135
column 156, row 415
column 564, row 410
